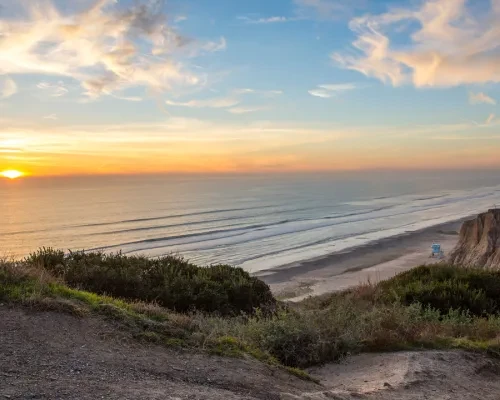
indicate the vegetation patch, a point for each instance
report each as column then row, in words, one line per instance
column 443, row 288
column 169, row 281
column 438, row 306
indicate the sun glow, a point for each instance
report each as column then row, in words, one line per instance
column 11, row 174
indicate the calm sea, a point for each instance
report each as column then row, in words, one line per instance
column 256, row 222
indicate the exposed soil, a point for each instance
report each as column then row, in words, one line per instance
column 47, row 355
column 436, row 375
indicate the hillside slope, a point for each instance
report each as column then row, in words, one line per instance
column 48, row 355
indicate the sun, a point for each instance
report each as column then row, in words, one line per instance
column 11, row 174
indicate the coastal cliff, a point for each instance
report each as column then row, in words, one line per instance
column 479, row 242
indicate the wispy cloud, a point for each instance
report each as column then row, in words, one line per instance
column 54, row 89
column 452, row 45
column 327, row 91
column 265, row 93
column 325, row 94
column 8, row 87
column 326, row 9
column 127, row 98
column 266, row 20
column 189, row 145
column 212, row 47
column 478, row 98
column 219, row 102
column 180, row 18
column 51, row 116
column 245, row 110
column 310, row 10
column 233, row 98
column 490, row 119
column 105, row 47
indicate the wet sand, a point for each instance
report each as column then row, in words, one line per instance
column 371, row 263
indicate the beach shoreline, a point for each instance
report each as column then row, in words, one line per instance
column 373, row 262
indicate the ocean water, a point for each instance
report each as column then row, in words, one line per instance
column 256, row 222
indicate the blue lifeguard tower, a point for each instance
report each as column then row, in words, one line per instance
column 437, row 251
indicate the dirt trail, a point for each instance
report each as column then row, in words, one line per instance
column 45, row 355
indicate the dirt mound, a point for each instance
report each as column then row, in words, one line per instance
column 409, row 376
column 479, row 242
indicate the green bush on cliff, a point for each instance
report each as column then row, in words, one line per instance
column 170, row 281
column 445, row 288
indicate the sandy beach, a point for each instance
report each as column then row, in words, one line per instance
column 371, row 263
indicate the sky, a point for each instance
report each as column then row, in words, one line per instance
column 180, row 86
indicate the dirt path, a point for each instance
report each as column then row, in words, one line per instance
column 56, row 356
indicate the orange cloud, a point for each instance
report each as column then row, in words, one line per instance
column 187, row 145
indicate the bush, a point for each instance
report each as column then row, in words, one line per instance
column 301, row 338
column 170, row 281
column 446, row 288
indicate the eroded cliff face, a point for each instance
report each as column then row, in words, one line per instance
column 479, row 242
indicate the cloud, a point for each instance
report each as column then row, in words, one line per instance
column 51, row 116
column 310, row 9
column 265, row 93
column 325, row 94
column 326, row 9
column 180, row 18
column 55, row 89
column 127, row 98
column 490, row 119
column 267, row 20
column 212, row 47
column 8, row 87
column 220, row 102
column 232, row 99
column 245, row 110
column 327, row 91
column 477, row 98
column 442, row 43
column 193, row 145
column 105, row 47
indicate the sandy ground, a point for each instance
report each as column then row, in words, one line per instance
column 371, row 263
column 432, row 375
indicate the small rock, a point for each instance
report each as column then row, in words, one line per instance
column 387, row 384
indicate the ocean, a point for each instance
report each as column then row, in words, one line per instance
column 253, row 221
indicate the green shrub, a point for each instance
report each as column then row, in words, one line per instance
column 46, row 256
column 301, row 338
column 445, row 288
column 169, row 281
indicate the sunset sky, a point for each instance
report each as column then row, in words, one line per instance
column 111, row 86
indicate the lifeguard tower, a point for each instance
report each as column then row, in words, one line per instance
column 437, row 251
